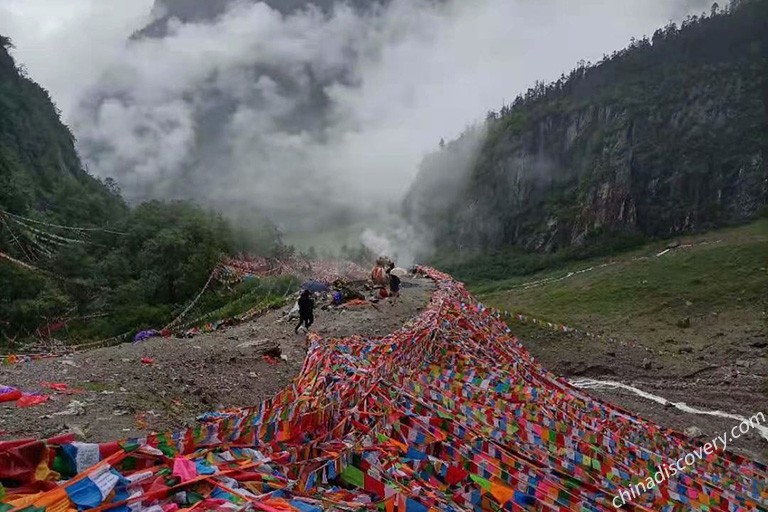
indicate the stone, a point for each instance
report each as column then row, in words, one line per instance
column 694, row 432
column 77, row 430
column 74, row 408
column 684, row 323
column 253, row 343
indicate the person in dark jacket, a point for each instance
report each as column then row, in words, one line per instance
column 394, row 284
column 306, row 310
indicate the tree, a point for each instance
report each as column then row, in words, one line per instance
column 112, row 186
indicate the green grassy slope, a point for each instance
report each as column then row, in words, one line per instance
column 727, row 273
column 717, row 281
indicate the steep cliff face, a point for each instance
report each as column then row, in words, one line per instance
column 666, row 137
column 39, row 167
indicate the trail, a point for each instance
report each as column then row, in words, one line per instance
column 588, row 384
column 569, row 275
column 123, row 397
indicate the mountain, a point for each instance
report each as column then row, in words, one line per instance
column 248, row 113
column 39, row 168
column 196, row 11
column 664, row 137
column 69, row 245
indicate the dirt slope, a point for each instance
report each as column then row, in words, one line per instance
column 689, row 324
column 123, row 397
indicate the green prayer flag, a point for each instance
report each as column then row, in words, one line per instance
column 482, row 482
column 130, row 445
column 353, row 476
column 194, row 497
column 63, row 466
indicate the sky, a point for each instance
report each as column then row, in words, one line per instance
column 65, row 45
column 226, row 112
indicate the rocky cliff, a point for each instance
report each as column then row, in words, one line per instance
column 667, row 136
column 39, row 168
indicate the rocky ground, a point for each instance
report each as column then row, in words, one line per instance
column 120, row 396
column 683, row 320
column 720, row 363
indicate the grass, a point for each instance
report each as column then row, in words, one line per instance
column 702, row 279
column 493, row 269
column 218, row 303
column 251, row 293
column 693, row 307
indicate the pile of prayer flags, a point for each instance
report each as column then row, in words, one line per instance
column 448, row 413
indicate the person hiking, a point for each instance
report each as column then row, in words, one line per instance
column 394, row 284
column 306, row 311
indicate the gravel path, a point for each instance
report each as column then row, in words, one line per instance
column 122, row 397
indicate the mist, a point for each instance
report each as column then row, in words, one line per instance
column 318, row 119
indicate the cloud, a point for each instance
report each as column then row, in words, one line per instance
column 318, row 118
column 66, row 44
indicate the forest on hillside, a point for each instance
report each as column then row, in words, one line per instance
column 666, row 136
column 71, row 247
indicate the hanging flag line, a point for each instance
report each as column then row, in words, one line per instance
column 53, row 238
column 558, row 327
column 450, row 412
column 59, row 226
column 16, row 240
column 219, row 273
column 41, row 271
column 195, row 300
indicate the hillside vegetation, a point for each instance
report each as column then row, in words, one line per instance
column 665, row 137
column 701, row 305
column 729, row 271
column 71, row 246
